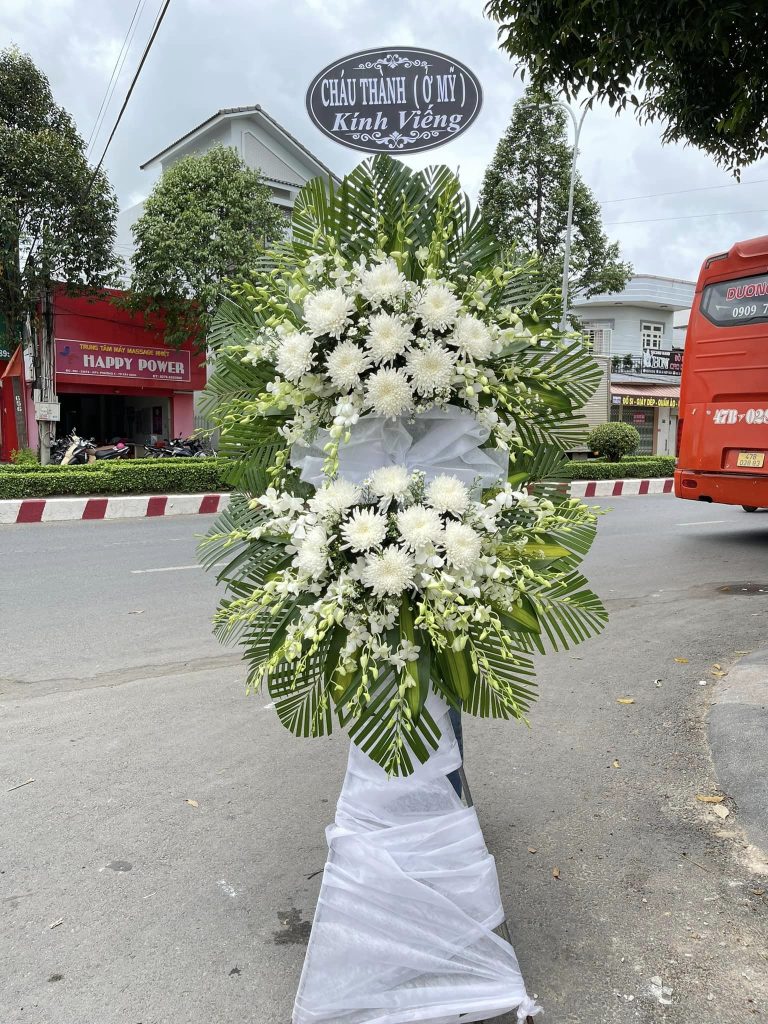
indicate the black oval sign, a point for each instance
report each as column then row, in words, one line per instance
column 394, row 99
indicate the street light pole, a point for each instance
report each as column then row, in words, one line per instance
column 577, row 123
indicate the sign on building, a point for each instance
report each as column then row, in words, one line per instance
column 394, row 99
column 667, row 362
column 139, row 362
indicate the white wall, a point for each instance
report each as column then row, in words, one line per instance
column 625, row 322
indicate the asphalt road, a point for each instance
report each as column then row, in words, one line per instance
column 163, row 866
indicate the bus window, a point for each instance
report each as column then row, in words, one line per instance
column 734, row 303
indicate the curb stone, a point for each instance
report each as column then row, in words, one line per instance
column 615, row 488
column 124, row 506
column 738, row 736
column 146, row 506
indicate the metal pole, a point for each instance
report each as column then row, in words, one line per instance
column 569, row 223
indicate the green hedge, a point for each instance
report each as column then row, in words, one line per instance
column 649, row 466
column 42, row 485
column 142, row 476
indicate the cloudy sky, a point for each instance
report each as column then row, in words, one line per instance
column 224, row 53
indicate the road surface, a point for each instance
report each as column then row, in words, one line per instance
column 163, row 865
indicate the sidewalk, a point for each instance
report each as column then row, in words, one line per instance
column 738, row 732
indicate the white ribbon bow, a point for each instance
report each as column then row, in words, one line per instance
column 436, row 441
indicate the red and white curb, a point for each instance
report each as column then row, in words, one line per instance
column 617, row 488
column 145, row 506
column 129, row 506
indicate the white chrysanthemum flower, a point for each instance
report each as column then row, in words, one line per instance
column 448, row 494
column 462, row 545
column 388, row 393
column 335, row 498
column 472, row 338
column 328, row 312
column 294, row 356
column 365, row 529
column 390, row 481
column 345, row 364
column 419, row 526
column 431, row 368
column 382, row 283
column 312, row 555
column 437, row 306
column 389, row 573
column 388, row 336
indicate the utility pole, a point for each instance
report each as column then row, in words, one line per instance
column 46, row 407
column 577, row 124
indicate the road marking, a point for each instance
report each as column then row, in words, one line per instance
column 705, row 522
column 165, row 568
column 174, row 568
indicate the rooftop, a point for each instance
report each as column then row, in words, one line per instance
column 229, row 112
column 648, row 290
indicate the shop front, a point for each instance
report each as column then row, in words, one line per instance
column 116, row 379
column 652, row 411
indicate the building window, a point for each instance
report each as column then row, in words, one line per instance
column 652, row 335
column 597, row 334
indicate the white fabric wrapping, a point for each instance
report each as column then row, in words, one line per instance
column 409, row 898
column 436, row 441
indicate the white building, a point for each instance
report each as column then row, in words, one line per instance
column 633, row 336
column 285, row 163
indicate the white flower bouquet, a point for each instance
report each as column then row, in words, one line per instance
column 356, row 596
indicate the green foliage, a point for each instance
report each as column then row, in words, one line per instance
column 636, row 469
column 524, row 197
column 699, row 68
column 45, row 485
column 24, row 457
column 57, row 222
column 142, row 476
column 207, row 219
column 613, row 441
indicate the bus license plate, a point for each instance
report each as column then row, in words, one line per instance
column 754, row 460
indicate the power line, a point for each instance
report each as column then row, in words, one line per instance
column 693, row 216
column 135, row 79
column 683, row 191
column 119, row 61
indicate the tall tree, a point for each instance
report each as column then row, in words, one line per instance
column 207, row 218
column 698, row 67
column 524, row 196
column 57, row 218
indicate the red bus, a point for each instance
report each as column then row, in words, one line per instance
column 723, row 418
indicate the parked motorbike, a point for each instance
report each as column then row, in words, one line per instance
column 82, row 451
column 179, row 448
column 77, row 452
column 119, row 450
column 59, row 448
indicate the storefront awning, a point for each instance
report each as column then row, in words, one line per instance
column 648, row 390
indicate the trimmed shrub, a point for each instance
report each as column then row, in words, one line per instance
column 44, row 485
column 648, row 467
column 153, row 476
column 613, row 441
column 141, row 476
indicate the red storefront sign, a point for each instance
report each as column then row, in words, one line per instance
column 128, row 361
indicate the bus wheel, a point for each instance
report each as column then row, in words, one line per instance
column 749, row 508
